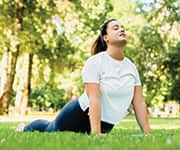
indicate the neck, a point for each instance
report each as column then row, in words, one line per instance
column 116, row 52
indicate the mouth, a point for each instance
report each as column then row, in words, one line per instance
column 123, row 34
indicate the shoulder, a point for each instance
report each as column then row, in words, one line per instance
column 129, row 61
column 92, row 68
column 130, row 64
column 97, row 58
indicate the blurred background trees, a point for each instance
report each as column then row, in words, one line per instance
column 42, row 69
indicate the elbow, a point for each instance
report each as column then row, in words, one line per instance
column 94, row 101
column 137, row 104
column 94, row 97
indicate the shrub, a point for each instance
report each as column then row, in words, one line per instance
column 47, row 97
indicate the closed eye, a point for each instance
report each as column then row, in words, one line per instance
column 115, row 27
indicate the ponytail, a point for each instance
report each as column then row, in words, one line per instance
column 99, row 44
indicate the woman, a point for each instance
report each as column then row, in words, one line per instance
column 111, row 83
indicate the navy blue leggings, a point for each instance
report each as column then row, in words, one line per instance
column 70, row 118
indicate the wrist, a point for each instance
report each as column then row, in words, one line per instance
column 146, row 130
column 97, row 132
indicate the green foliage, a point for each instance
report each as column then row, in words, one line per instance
column 173, row 64
column 46, row 97
column 150, row 64
column 151, row 38
column 152, row 28
column 94, row 12
column 158, row 56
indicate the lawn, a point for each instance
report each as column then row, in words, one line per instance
column 125, row 136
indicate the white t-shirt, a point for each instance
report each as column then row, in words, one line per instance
column 116, row 79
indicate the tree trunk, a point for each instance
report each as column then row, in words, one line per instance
column 23, row 92
column 19, row 96
column 3, row 89
column 27, row 91
column 10, row 60
column 8, row 72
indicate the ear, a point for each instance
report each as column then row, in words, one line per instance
column 105, row 38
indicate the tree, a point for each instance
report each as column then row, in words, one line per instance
column 158, row 42
column 11, row 51
column 81, row 21
column 22, row 33
column 24, row 89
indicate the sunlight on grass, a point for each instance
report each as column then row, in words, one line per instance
column 126, row 136
column 155, row 123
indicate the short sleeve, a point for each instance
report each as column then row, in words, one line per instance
column 137, row 77
column 90, row 71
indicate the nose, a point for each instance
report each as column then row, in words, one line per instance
column 122, row 29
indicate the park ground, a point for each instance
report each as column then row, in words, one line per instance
column 165, row 135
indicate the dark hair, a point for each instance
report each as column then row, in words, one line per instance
column 99, row 44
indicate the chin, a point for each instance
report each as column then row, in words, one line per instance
column 123, row 41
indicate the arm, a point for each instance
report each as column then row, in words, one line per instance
column 140, row 109
column 93, row 92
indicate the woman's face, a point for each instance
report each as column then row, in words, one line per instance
column 115, row 33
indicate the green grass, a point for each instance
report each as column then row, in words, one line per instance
column 126, row 136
